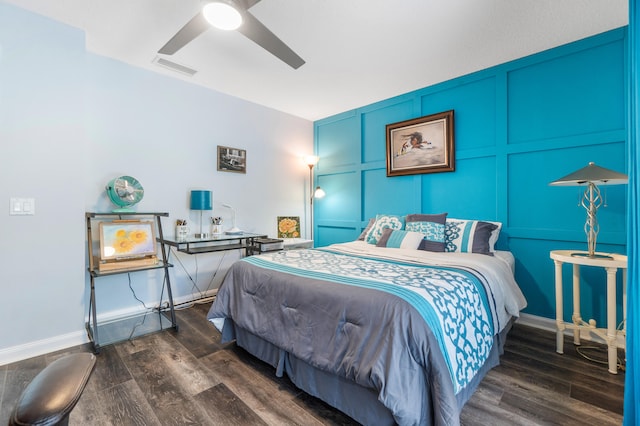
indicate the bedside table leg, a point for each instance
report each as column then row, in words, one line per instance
column 559, row 314
column 611, row 320
column 576, row 318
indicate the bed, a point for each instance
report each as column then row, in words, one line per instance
column 386, row 335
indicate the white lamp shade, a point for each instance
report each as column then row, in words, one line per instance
column 310, row 160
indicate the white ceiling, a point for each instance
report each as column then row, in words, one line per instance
column 356, row 51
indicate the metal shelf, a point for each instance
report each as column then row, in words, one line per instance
column 159, row 265
column 114, row 331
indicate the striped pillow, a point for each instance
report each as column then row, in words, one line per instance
column 468, row 236
column 400, row 239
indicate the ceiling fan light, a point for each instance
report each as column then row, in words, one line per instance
column 222, row 16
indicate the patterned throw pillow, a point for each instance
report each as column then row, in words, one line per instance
column 383, row 221
column 400, row 239
column 367, row 229
column 469, row 236
column 432, row 226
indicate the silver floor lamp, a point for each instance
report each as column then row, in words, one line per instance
column 311, row 161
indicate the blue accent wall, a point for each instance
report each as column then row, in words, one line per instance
column 518, row 126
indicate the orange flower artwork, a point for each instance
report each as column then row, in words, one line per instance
column 121, row 240
column 288, row 226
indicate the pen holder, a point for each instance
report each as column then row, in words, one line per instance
column 182, row 232
column 216, row 229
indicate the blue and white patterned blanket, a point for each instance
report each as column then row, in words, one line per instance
column 413, row 326
column 453, row 302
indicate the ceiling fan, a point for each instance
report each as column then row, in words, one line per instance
column 247, row 24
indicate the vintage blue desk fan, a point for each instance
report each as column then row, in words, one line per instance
column 124, row 192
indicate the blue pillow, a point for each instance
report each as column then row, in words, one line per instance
column 432, row 226
column 383, row 221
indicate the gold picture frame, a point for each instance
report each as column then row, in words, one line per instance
column 421, row 145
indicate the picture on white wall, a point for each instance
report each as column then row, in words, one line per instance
column 421, row 145
column 232, row 159
column 288, row 226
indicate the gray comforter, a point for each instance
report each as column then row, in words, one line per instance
column 369, row 335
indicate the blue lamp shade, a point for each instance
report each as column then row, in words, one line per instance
column 201, row 200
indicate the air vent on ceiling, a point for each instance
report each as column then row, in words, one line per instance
column 174, row 66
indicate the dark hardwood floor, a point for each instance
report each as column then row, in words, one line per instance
column 188, row 377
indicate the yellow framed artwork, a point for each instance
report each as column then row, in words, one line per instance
column 288, row 226
column 126, row 239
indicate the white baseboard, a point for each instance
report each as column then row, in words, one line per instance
column 41, row 347
column 542, row 323
column 75, row 338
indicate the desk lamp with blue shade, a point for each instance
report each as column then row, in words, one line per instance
column 201, row 200
column 592, row 176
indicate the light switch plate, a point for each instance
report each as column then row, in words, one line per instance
column 22, row 207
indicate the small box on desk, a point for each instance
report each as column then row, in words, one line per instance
column 268, row 244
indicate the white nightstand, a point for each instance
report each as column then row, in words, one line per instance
column 609, row 334
column 297, row 243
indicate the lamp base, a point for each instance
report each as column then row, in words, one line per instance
column 594, row 256
column 234, row 231
column 201, row 236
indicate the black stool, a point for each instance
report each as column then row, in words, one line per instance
column 54, row 392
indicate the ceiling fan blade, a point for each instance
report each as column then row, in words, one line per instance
column 196, row 26
column 246, row 4
column 254, row 30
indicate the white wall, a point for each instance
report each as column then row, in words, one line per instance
column 69, row 122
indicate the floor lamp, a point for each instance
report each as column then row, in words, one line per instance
column 591, row 176
column 311, row 161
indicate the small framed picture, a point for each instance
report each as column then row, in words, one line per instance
column 421, row 145
column 127, row 239
column 232, row 159
column 288, row 226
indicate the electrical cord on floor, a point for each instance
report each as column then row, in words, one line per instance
column 146, row 309
column 580, row 348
